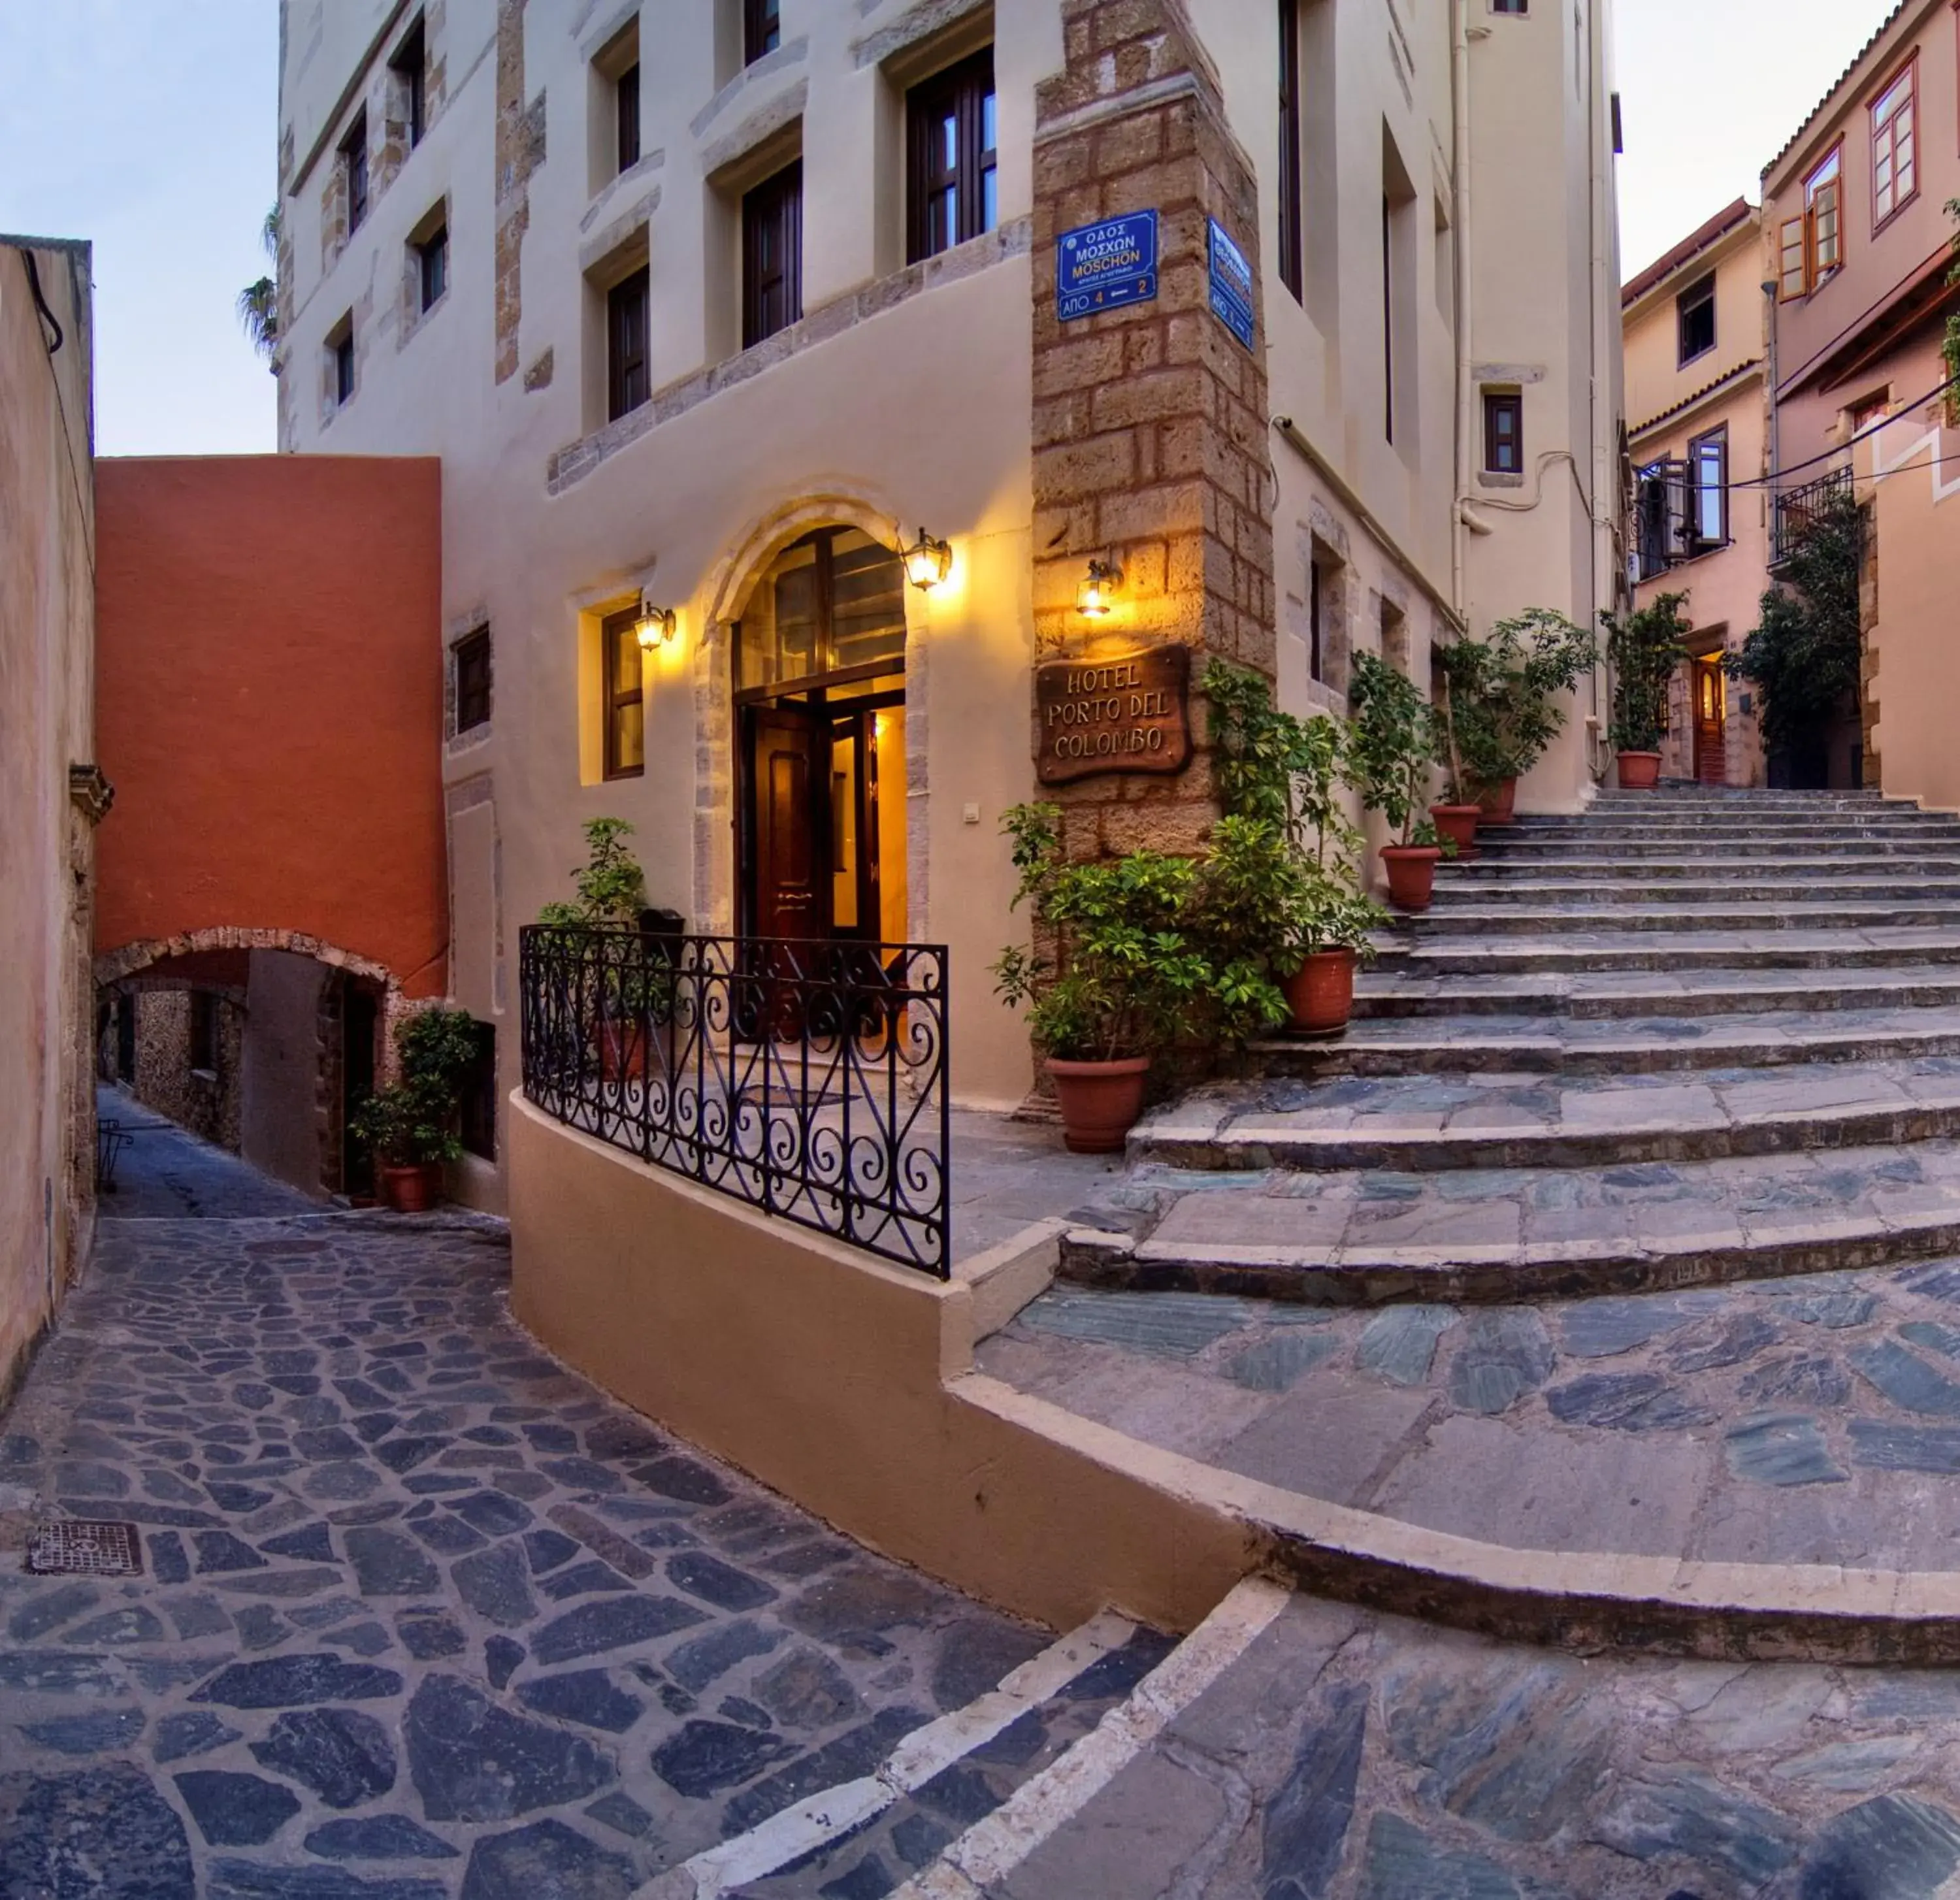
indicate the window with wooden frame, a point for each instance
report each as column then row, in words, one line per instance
column 1695, row 320
column 354, row 156
column 1895, row 146
column 1292, row 251
column 950, row 194
column 626, row 117
column 1708, row 491
column 761, row 29
column 626, row 716
column 1810, row 248
column 773, row 255
column 411, row 67
column 472, row 680
column 629, row 381
column 1504, row 431
column 432, row 266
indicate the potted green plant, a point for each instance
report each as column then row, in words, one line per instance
column 1505, row 706
column 1456, row 814
column 1644, row 649
column 412, row 1124
column 635, row 994
column 1115, row 976
column 1290, row 772
column 1394, row 737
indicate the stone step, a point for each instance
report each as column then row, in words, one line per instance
column 1489, row 921
column 1634, row 885
column 1773, row 824
column 1863, row 864
column 1431, row 1124
column 1384, row 995
column 1445, row 1045
column 1362, row 1236
column 1517, row 951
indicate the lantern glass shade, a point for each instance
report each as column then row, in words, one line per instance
column 1091, row 597
column 927, row 561
column 654, row 627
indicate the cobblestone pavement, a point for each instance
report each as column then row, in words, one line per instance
column 1347, row 1756
column 423, row 1614
column 1811, row 1421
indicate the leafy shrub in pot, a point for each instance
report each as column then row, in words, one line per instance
column 412, row 1125
column 1394, row 740
column 1644, row 649
column 1505, row 695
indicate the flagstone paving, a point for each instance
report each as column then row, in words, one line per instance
column 423, row 1614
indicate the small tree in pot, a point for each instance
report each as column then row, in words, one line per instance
column 612, row 892
column 1394, row 735
column 1505, row 708
column 1288, row 772
column 1644, row 649
column 412, row 1124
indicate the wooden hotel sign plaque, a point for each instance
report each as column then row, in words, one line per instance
column 1130, row 713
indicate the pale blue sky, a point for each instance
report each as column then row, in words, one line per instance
column 149, row 126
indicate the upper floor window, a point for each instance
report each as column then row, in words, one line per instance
column 773, row 255
column 628, row 379
column 626, row 116
column 1292, row 250
column 761, row 28
column 472, row 680
column 1708, row 490
column 1516, row 7
column 340, row 352
column 432, row 266
column 1504, row 431
column 411, row 66
column 952, row 133
column 1694, row 314
column 1894, row 156
column 353, row 155
column 625, row 726
column 1812, row 247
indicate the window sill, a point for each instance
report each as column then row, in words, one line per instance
column 1499, row 479
column 576, row 460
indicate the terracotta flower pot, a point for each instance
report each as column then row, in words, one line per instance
column 1639, row 770
column 1411, row 873
column 1100, row 1102
column 1497, row 802
column 1459, row 824
column 622, row 1051
column 413, row 1190
column 1321, row 992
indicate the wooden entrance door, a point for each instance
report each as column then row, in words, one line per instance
column 1711, row 754
column 788, row 752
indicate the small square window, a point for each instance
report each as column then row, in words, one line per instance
column 627, row 381
column 432, row 260
column 1696, row 309
column 353, row 155
column 761, row 28
column 472, row 680
column 1504, row 431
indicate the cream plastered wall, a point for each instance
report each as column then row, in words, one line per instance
column 47, row 633
column 1658, row 382
column 1909, row 472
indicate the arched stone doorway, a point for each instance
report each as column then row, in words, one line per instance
column 810, row 803
column 260, row 1040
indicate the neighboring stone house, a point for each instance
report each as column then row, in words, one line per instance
column 710, row 308
column 1694, row 322
column 51, row 793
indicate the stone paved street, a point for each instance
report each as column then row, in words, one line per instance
column 422, row 1614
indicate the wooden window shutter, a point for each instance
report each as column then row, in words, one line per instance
column 1795, row 255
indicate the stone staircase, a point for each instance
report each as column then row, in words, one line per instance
column 1601, row 1285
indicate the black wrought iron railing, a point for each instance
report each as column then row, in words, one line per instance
column 806, row 1078
column 1797, row 508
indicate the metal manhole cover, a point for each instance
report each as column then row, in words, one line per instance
column 77, row 1547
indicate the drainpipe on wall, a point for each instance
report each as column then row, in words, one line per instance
column 1459, row 89
column 1772, row 290
column 1603, row 308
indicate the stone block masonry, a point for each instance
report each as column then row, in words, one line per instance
column 1149, row 421
column 520, row 151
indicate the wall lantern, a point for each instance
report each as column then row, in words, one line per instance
column 927, row 561
column 654, row 627
column 1092, row 597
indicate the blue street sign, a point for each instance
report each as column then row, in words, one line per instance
column 1099, row 267
column 1231, row 284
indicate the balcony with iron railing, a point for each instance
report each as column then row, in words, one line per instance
column 1797, row 509
column 806, row 1078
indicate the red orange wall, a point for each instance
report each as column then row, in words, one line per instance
column 269, row 702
